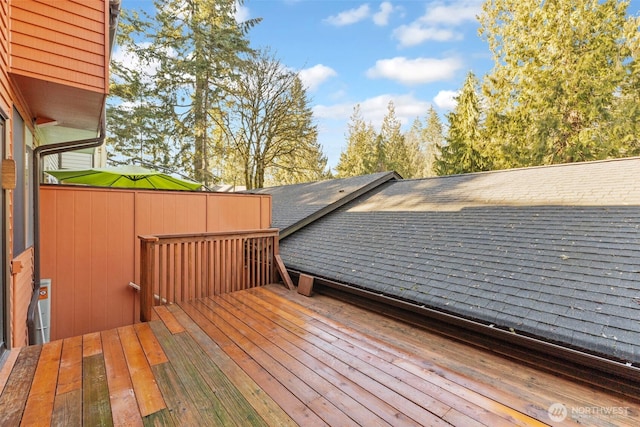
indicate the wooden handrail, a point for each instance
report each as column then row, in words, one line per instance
column 181, row 267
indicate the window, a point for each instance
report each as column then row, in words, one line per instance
column 21, row 192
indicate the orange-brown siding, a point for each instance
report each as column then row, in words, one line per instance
column 21, row 291
column 54, row 57
column 90, row 249
column 62, row 41
column 5, row 98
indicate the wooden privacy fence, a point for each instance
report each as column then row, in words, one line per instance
column 182, row 267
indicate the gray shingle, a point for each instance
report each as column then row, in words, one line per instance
column 553, row 252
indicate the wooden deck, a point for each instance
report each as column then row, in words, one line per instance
column 268, row 356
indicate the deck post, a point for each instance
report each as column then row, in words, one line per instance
column 147, row 273
column 274, row 259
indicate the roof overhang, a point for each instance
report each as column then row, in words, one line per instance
column 65, row 112
column 61, row 112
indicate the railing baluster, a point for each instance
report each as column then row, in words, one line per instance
column 161, row 267
column 197, row 268
column 167, row 274
column 176, row 268
column 239, row 249
column 216, row 268
column 246, row 258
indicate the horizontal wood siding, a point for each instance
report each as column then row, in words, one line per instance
column 90, row 247
column 21, row 291
column 5, row 97
column 50, row 162
column 76, row 160
column 61, row 41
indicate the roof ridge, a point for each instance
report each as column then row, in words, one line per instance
column 384, row 173
column 526, row 168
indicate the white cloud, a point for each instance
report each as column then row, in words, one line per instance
column 438, row 22
column 132, row 61
column 407, row 108
column 335, row 111
column 333, row 119
column 445, row 99
column 349, row 17
column 416, row 33
column 373, row 110
column 242, row 13
column 414, row 71
column 455, row 13
column 381, row 18
column 316, row 75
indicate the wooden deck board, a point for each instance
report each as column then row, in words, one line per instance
column 434, row 353
column 286, row 400
column 67, row 409
column 96, row 408
column 39, row 405
column 268, row 356
column 150, row 345
column 91, row 344
column 233, row 408
column 261, row 402
column 326, row 381
column 526, row 389
column 396, row 364
column 123, row 401
column 7, row 367
column 16, row 390
column 161, row 418
column 373, row 395
column 205, row 400
column 169, row 320
column 70, row 375
column 147, row 393
column 310, row 397
column 182, row 410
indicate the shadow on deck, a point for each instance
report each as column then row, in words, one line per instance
column 268, row 356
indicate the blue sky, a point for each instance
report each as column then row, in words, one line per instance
column 415, row 53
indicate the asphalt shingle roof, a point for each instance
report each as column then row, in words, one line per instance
column 552, row 252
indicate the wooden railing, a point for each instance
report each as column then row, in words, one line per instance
column 182, row 267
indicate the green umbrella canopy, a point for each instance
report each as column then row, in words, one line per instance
column 123, row 177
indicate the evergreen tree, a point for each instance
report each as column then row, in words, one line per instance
column 136, row 122
column 464, row 148
column 414, row 143
column 432, row 138
column 560, row 83
column 392, row 144
column 625, row 126
column 307, row 162
column 361, row 156
column 190, row 49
